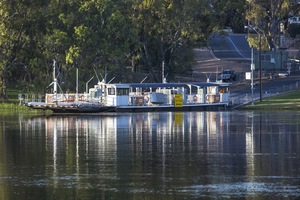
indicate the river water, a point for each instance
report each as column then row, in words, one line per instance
column 166, row 155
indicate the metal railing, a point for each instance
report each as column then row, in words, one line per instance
column 270, row 92
column 24, row 98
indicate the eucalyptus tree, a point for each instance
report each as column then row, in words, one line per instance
column 229, row 13
column 112, row 36
column 11, row 39
column 95, row 35
column 104, row 35
column 266, row 16
column 22, row 26
column 168, row 30
column 62, row 17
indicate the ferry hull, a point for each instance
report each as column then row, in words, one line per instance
column 204, row 107
column 70, row 107
column 73, row 108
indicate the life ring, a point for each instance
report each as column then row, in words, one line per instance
column 139, row 101
column 81, row 98
column 147, row 98
column 195, row 98
column 70, row 99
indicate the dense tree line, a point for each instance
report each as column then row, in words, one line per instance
column 127, row 39
column 119, row 37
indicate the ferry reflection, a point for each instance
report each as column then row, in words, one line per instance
column 165, row 154
column 105, row 142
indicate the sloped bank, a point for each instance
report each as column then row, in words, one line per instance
column 286, row 101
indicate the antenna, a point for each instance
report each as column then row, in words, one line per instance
column 144, row 79
column 103, row 79
column 54, row 63
column 96, row 74
column 207, row 77
column 111, row 80
column 87, row 85
column 54, row 79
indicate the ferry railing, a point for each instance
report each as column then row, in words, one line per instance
column 25, row 98
column 70, row 97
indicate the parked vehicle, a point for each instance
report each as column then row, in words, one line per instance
column 294, row 20
column 227, row 75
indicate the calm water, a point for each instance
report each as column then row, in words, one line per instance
column 190, row 155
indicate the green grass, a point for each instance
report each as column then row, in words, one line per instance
column 288, row 101
column 14, row 107
column 13, row 103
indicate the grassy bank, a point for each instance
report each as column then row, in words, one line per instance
column 288, row 101
column 14, row 107
column 12, row 104
column 17, row 108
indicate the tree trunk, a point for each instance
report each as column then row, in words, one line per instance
column 3, row 90
column 149, row 62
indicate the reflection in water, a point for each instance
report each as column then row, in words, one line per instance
column 151, row 155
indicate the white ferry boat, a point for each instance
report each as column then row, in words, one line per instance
column 139, row 97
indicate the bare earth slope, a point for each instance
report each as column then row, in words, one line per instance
column 207, row 66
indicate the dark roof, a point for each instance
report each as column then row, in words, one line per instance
column 156, row 85
column 170, row 85
column 203, row 84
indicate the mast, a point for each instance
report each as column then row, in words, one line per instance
column 54, row 81
column 76, row 97
column 163, row 79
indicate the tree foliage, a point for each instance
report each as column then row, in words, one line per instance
column 230, row 13
column 22, row 27
column 126, row 39
column 119, row 37
column 167, row 30
column 266, row 16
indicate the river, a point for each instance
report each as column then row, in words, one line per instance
column 163, row 155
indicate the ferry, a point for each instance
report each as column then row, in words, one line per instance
column 139, row 97
column 136, row 97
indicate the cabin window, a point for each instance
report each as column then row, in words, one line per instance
column 194, row 90
column 122, row 91
column 111, row 91
column 223, row 89
column 173, row 91
column 200, row 91
column 97, row 93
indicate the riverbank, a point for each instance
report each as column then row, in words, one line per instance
column 206, row 66
column 287, row 101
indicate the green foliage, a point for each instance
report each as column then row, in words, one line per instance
column 166, row 29
column 266, row 17
column 121, row 38
column 107, row 36
column 230, row 13
column 253, row 40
